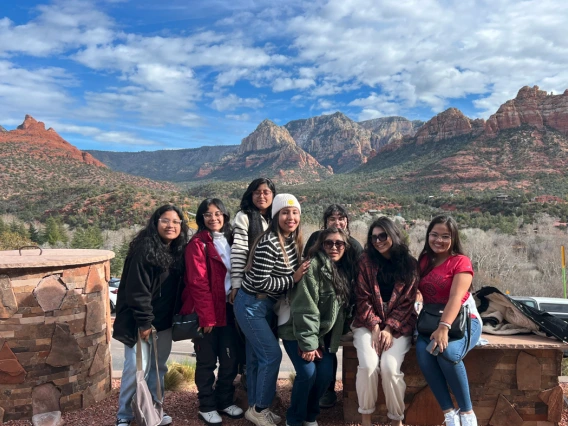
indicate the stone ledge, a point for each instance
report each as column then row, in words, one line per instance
column 52, row 257
column 518, row 341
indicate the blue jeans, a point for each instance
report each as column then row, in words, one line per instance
column 128, row 381
column 439, row 372
column 312, row 380
column 263, row 351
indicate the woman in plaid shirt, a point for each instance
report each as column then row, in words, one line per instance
column 385, row 318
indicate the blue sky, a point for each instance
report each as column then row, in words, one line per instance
column 130, row 75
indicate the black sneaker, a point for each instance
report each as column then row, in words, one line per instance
column 328, row 399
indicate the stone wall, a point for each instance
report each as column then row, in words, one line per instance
column 510, row 383
column 54, row 339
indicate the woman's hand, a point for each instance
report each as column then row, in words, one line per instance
column 441, row 337
column 375, row 339
column 385, row 339
column 309, row 356
column 145, row 334
column 232, row 295
column 302, row 269
column 207, row 329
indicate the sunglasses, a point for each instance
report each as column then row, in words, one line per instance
column 329, row 244
column 383, row 236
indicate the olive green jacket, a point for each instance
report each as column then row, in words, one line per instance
column 315, row 310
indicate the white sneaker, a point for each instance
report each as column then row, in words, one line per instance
column 166, row 420
column 264, row 418
column 233, row 412
column 468, row 419
column 452, row 418
column 275, row 417
column 314, row 423
column 211, row 417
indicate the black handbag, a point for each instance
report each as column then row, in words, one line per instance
column 430, row 316
column 186, row 327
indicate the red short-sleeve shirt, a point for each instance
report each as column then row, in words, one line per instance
column 435, row 287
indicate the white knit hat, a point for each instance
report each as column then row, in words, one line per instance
column 284, row 200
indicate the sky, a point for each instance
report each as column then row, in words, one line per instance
column 132, row 75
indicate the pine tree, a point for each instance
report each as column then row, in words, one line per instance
column 34, row 234
column 117, row 263
column 54, row 231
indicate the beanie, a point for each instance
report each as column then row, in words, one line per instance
column 284, row 200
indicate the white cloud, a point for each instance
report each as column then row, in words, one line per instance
column 232, row 102
column 238, row 117
column 108, row 137
column 283, row 84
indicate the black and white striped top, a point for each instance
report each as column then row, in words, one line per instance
column 240, row 247
column 269, row 274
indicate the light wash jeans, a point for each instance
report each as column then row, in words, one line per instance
column 440, row 373
column 128, row 382
column 263, row 350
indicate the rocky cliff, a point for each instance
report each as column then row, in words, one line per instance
column 391, row 129
column 334, row 140
column 447, row 125
column 2, row 129
column 533, row 107
column 32, row 136
column 269, row 151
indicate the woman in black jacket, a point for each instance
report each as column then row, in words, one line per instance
column 147, row 294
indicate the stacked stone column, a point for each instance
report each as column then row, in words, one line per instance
column 54, row 331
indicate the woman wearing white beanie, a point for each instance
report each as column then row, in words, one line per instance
column 273, row 269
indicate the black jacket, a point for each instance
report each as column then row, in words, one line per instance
column 549, row 324
column 147, row 296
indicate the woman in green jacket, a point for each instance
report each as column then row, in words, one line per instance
column 320, row 306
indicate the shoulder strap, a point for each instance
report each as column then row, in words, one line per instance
column 154, row 335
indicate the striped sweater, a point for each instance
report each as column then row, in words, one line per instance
column 240, row 247
column 269, row 274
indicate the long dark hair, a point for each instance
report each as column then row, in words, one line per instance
column 344, row 272
column 275, row 228
column 247, row 204
column 401, row 266
column 200, row 219
column 156, row 251
column 335, row 209
column 455, row 246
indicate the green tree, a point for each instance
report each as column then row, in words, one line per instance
column 54, row 231
column 34, row 234
column 90, row 237
column 117, row 263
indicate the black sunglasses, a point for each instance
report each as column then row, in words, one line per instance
column 329, row 244
column 383, row 236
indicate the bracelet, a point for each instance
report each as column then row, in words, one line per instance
column 447, row 324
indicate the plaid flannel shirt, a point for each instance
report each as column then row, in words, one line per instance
column 399, row 314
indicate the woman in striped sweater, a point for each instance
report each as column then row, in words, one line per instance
column 273, row 269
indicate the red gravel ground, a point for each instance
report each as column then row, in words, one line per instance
column 182, row 406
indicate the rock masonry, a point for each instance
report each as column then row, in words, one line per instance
column 54, row 338
column 513, row 382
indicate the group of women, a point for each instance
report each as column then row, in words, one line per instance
column 255, row 278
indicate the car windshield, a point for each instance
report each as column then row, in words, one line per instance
column 554, row 307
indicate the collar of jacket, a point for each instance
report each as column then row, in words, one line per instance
column 207, row 240
column 325, row 263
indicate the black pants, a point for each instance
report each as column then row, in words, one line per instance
column 220, row 344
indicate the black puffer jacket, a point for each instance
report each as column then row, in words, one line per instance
column 147, row 296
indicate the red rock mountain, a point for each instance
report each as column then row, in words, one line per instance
column 38, row 141
column 270, row 151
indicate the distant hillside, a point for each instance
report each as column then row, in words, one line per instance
column 180, row 165
column 391, row 129
column 43, row 175
column 522, row 147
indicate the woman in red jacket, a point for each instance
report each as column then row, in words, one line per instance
column 207, row 289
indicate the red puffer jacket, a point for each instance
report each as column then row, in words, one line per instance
column 204, row 279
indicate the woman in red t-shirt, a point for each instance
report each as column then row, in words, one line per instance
column 445, row 278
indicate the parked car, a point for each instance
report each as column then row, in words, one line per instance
column 553, row 305
column 112, row 292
